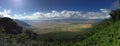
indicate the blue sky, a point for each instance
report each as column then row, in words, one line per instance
column 59, row 5
column 47, row 6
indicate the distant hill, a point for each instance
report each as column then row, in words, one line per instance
column 68, row 20
column 8, row 25
column 22, row 23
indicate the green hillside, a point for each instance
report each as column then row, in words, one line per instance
column 108, row 33
column 108, row 36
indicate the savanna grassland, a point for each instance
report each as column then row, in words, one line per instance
column 60, row 27
column 61, row 31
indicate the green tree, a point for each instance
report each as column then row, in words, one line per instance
column 115, row 15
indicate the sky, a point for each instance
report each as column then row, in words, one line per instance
column 57, row 9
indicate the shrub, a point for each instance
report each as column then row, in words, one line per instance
column 115, row 15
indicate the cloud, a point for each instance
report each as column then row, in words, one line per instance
column 97, row 15
column 51, row 15
column 5, row 13
column 104, row 13
column 116, row 4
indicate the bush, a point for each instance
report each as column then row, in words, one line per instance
column 115, row 15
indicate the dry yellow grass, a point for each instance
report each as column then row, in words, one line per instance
column 60, row 27
column 77, row 27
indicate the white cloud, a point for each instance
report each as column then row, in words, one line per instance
column 5, row 13
column 104, row 13
column 104, row 10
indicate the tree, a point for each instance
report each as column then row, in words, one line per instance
column 115, row 15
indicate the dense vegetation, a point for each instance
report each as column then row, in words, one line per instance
column 107, row 33
column 115, row 15
column 109, row 36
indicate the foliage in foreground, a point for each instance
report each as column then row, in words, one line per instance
column 109, row 36
column 108, row 33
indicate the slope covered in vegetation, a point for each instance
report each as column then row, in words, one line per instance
column 108, row 33
column 108, row 36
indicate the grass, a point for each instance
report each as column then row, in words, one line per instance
column 106, row 33
column 52, row 38
column 62, row 32
column 109, row 36
column 48, row 28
